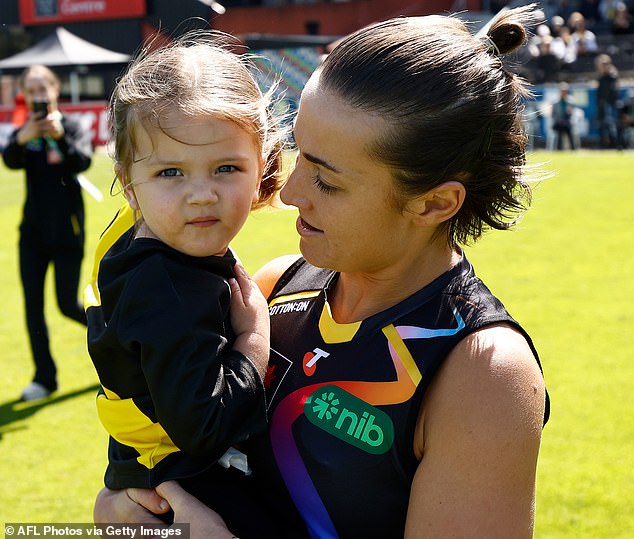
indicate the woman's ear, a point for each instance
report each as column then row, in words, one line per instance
column 124, row 181
column 438, row 205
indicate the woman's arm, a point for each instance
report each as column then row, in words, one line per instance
column 478, row 437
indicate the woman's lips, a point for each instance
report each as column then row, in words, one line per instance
column 304, row 228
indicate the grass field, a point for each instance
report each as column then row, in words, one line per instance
column 566, row 273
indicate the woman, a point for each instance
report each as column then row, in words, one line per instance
column 52, row 149
column 403, row 399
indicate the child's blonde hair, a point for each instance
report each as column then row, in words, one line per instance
column 197, row 75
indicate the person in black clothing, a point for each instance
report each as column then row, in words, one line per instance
column 52, row 149
column 607, row 97
column 625, row 108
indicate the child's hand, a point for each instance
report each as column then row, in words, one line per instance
column 250, row 319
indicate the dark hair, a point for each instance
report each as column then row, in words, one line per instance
column 453, row 112
column 198, row 74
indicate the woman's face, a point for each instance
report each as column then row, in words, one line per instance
column 348, row 218
column 38, row 87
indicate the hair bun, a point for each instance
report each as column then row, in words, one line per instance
column 507, row 32
column 507, row 37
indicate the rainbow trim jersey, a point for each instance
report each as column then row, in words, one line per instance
column 344, row 398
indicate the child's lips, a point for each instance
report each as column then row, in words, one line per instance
column 203, row 221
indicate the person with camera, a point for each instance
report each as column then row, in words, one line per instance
column 52, row 149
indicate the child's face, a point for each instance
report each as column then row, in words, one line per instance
column 194, row 182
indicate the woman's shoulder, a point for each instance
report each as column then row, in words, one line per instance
column 269, row 274
column 490, row 380
column 478, row 434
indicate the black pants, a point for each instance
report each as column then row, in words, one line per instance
column 35, row 258
column 560, row 134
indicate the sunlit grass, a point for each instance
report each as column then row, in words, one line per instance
column 565, row 273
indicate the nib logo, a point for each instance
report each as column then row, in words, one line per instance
column 350, row 419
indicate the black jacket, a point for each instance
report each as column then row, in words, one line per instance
column 54, row 209
column 175, row 395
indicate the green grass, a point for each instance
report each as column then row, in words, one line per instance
column 565, row 273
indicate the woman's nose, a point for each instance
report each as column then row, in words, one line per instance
column 291, row 193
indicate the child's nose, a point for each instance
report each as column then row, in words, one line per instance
column 203, row 191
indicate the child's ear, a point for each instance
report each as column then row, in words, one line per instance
column 124, row 181
column 438, row 205
column 256, row 194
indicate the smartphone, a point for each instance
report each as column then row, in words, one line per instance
column 40, row 108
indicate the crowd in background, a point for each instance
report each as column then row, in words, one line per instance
column 566, row 44
column 584, row 41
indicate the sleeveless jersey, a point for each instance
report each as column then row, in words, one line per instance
column 344, row 398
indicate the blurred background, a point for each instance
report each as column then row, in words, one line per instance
column 88, row 42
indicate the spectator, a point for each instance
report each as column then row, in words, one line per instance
column 556, row 24
column 52, row 149
column 541, row 32
column 607, row 8
column 565, row 9
column 622, row 21
column 564, row 45
column 562, row 116
column 607, row 97
column 547, row 63
column 626, row 119
column 590, row 11
column 584, row 40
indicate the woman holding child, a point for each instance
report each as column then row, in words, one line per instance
column 403, row 399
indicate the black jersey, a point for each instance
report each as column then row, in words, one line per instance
column 344, row 398
column 174, row 394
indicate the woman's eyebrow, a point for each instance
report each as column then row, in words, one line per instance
column 321, row 162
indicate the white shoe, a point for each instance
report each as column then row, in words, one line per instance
column 35, row 391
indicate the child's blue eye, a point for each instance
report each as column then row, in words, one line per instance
column 170, row 172
column 323, row 187
column 223, row 169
